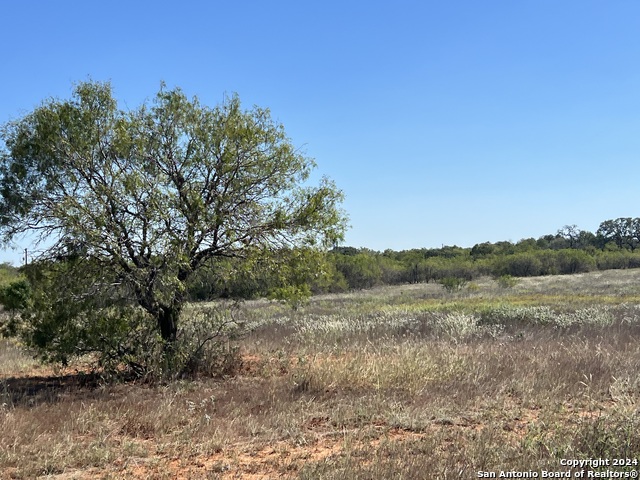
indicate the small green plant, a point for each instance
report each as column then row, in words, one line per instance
column 452, row 284
column 473, row 287
column 507, row 281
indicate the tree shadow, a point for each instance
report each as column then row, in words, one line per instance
column 33, row 391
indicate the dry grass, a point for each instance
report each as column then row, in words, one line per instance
column 405, row 382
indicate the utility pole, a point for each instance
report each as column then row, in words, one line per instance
column 26, row 257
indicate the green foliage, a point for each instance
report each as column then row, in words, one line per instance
column 574, row 261
column 519, row 265
column 147, row 198
column 8, row 273
column 507, row 281
column 617, row 259
column 351, row 268
column 72, row 313
column 300, row 272
column 481, row 250
column 452, row 284
column 62, row 324
column 15, row 295
column 544, row 262
column 362, row 270
column 623, row 232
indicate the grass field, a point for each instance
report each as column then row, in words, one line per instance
column 403, row 382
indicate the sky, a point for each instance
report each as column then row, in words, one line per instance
column 444, row 122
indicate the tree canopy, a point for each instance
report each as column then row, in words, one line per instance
column 148, row 196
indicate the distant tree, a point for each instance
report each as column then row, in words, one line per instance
column 559, row 243
column 544, row 242
column 609, row 231
column 634, row 233
column 526, row 244
column 571, row 233
column 452, row 251
column 482, row 250
column 571, row 261
column 360, row 271
column 624, row 232
column 148, row 197
column 524, row 264
column 504, row 248
column 587, row 240
column 351, row 251
column 8, row 273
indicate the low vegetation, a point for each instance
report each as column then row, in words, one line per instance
column 569, row 251
column 410, row 381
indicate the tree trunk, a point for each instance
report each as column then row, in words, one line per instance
column 168, row 324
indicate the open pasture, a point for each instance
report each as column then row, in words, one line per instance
column 397, row 382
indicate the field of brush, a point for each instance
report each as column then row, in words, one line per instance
column 403, row 382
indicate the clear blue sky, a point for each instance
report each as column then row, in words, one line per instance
column 444, row 122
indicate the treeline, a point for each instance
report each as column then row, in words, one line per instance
column 295, row 274
column 571, row 250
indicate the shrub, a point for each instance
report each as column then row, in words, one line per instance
column 618, row 259
column 452, row 284
column 574, row 261
column 206, row 342
column 63, row 323
column 122, row 343
column 519, row 265
column 15, row 295
column 507, row 281
column 360, row 271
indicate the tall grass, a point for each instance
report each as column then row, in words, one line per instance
column 404, row 382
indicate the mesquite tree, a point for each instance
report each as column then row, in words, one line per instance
column 150, row 195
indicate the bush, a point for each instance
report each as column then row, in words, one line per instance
column 360, row 271
column 206, row 342
column 507, row 281
column 66, row 320
column 618, row 259
column 452, row 284
column 574, row 261
column 123, row 342
column 518, row 265
column 438, row 268
column 14, row 297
